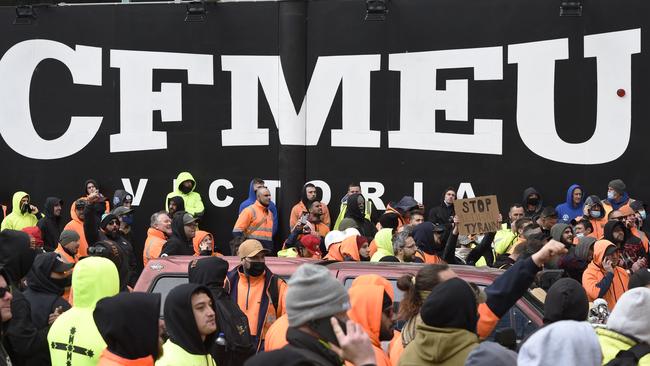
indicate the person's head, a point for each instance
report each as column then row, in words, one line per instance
column 372, row 307
column 640, row 278
column 416, row 288
column 263, row 196
column 566, row 342
column 364, row 248
column 175, row 204
column 91, row 187
column 309, row 246
column 56, row 205
column 583, row 228
column 110, row 225
column 354, row 188
column 404, row 246
column 566, row 300
column 562, row 233
column 69, row 239
column 208, row 271
column 189, row 225
column 252, row 255
column 585, row 248
column 416, row 217
column 186, row 186
column 532, row 200
column 190, row 318
column 125, row 216
column 451, row 304
column 449, row 196
column 629, row 316
column 257, row 184
column 548, row 218
column 162, row 222
column 576, row 196
column 310, row 192
column 389, row 220
column 515, row 213
column 128, row 201
column 615, row 232
column 315, row 208
column 639, row 209
column 35, row 236
column 615, row 189
column 16, row 254
column 520, row 225
column 531, row 230
column 129, row 324
column 438, row 234
column 593, row 207
column 5, row 296
column 308, row 312
column 616, row 215
column 234, row 244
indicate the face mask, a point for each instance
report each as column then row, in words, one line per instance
column 610, row 195
column 25, row 208
column 533, row 201
column 186, row 190
column 256, row 269
column 62, row 282
column 580, row 235
column 642, row 213
column 385, row 333
column 594, row 214
column 128, row 219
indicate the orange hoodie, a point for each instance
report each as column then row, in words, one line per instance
column 334, row 253
column 198, row 238
column 77, row 225
column 153, row 245
column 349, row 247
column 595, row 273
column 373, row 279
column 366, row 310
column 276, row 336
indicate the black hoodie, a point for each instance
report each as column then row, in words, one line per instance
column 211, row 272
column 451, row 304
column 25, row 343
column 524, row 201
column 50, row 225
column 180, row 322
column 42, row 293
column 128, row 322
column 179, row 201
column 632, row 247
column 119, row 196
column 443, row 214
column 566, row 300
column 178, row 243
column 365, row 227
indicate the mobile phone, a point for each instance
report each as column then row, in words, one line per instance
column 303, row 218
column 324, row 329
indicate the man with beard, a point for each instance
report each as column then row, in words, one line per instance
column 109, row 229
column 404, row 246
column 129, row 324
column 183, row 231
column 444, row 213
column 631, row 250
column 307, row 196
column 259, row 293
column 51, row 224
column 185, row 188
column 355, row 217
column 256, row 220
column 160, row 230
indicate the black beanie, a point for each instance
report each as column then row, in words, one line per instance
column 566, row 300
column 451, row 304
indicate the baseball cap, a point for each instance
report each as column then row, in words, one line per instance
column 250, row 248
column 188, row 219
column 61, row 266
column 119, row 211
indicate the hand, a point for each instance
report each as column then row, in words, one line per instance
column 456, row 224
column 55, row 315
column 33, row 209
column 204, row 246
column 607, row 265
column 93, row 197
column 354, row 346
column 640, row 264
column 549, row 251
column 500, row 218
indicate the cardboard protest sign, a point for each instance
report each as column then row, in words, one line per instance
column 477, row 215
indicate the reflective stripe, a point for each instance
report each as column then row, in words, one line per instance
column 259, row 237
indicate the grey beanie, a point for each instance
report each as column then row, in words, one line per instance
column 68, row 236
column 617, row 185
column 314, row 293
column 491, row 353
column 557, row 230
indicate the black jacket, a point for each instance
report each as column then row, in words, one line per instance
column 365, row 227
column 128, row 322
column 42, row 293
column 178, row 243
column 303, row 349
column 524, row 201
column 50, row 225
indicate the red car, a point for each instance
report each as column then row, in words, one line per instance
column 163, row 274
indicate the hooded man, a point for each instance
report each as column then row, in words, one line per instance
column 372, row 307
column 74, row 337
column 617, row 196
column 384, row 243
column 175, row 204
column 532, row 202
column 429, row 240
column 566, row 342
column 355, row 249
column 594, row 211
column 256, row 221
column 125, row 215
column 308, row 195
column 255, row 184
column 566, row 300
column 129, row 324
column 314, row 333
column 203, row 243
column 183, row 231
column 573, row 206
column 159, row 231
column 77, row 225
column 355, row 217
column 185, row 188
column 444, row 213
column 231, row 321
column 122, row 198
column 368, row 212
column 447, row 333
column 259, row 293
column 628, row 326
column 23, row 213
column 51, row 224
column 630, row 247
column 603, row 278
column 46, row 283
column 191, row 324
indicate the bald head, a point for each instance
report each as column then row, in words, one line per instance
column 263, row 196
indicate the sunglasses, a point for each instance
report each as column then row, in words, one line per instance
column 4, row 291
column 114, row 222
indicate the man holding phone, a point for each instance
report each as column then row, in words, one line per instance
column 320, row 332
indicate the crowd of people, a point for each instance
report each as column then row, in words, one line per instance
column 66, row 289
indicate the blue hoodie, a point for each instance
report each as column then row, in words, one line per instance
column 567, row 211
column 252, row 198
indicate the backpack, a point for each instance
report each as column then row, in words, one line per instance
column 630, row 356
column 233, row 323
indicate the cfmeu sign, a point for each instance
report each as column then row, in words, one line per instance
column 418, row 96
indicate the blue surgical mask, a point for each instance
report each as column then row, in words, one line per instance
column 610, row 195
column 643, row 214
column 594, row 214
column 580, row 235
column 128, row 219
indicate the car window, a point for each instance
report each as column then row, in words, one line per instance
column 516, row 319
column 164, row 284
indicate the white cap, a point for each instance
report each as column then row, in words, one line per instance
column 334, row 236
column 351, row 232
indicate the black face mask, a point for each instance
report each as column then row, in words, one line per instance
column 386, row 334
column 256, row 269
column 62, row 282
column 25, row 208
column 533, row 201
column 185, row 189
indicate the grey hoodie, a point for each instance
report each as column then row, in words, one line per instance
column 566, row 342
column 629, row 317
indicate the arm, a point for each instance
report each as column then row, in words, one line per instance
column 198, row 208
column 274, row 211
column 484, row 249
column 293, row 237
column 91, row 225
column 449, row 254
column 242, row 223
column 25, row 339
